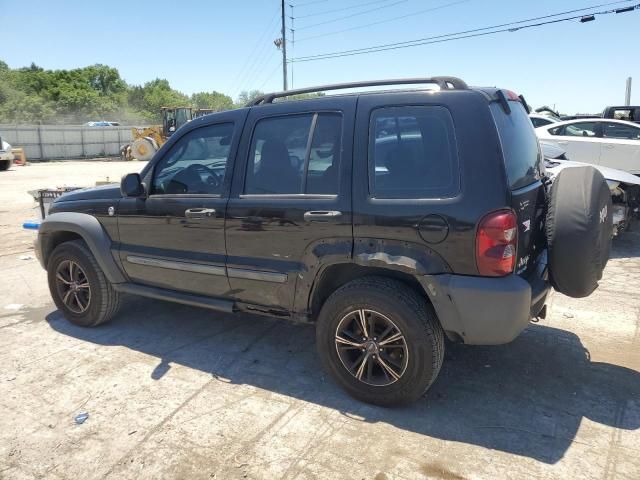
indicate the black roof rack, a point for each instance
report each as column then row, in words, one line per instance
column 445, row 83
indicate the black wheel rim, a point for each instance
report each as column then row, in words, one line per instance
column 73, row 286
column 371, row 347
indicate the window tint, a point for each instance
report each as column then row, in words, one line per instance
column 196, row 163
column 617, row 130
column 283, row 161
column 412, row 153
column 323, row 173
column 580, row 129
column 522, row 157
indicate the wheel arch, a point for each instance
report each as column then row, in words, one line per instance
column 334, row 276
column 61, row 227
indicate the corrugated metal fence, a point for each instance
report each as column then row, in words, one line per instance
column 47, row 142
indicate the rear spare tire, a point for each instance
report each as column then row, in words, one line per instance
column 578, row 228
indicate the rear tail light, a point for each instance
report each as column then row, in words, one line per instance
column 496, row 244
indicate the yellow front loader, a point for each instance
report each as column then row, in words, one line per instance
column 147, row 141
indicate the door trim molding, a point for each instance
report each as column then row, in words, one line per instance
column 273, row 277
column 172, row 265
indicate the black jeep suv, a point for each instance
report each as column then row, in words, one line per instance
column 390, row 219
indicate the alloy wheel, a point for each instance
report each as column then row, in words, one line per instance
column 73, row 286
column 371, row 347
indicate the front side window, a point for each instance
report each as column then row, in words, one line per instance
column 196, row 164
column 618, row 130
column 580, row 129
column 282, row 160
column 412, row 153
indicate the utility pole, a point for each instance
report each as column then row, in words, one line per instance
column 627, row 97
column 284, row 49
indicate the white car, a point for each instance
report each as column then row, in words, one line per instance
column 606, row 142
column 539, row 120
column 625, row 188
column 6, row 156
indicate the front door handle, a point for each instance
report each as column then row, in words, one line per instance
column 563, row 143
column 607, row 145
column 200, row 212
column 321, row 215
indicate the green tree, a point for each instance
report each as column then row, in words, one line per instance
column 246, row 97
column 212, row 100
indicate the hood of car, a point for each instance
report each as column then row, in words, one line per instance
column 111, row 190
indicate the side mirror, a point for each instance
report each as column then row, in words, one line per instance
column 131, row 185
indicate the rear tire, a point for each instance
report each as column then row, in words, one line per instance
column 413, row 361
column 78, row 286
column 5, row 165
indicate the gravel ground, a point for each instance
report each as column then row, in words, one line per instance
column 176, row 392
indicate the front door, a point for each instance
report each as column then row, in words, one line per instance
column 290, row 205
column 581, row 141
column 174, row 238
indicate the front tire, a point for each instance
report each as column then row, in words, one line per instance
column 380, row 341
column 78, row 286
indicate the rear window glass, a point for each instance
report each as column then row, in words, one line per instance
column 520, row 147
column 412, row 153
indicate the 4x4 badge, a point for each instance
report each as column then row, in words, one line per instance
column 527, row 225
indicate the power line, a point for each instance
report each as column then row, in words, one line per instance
column 259, row 45
column 477, row 32
column 305, row 4
column 351, row 7
column 270, row 75
column 357, row 27
column 313, row 25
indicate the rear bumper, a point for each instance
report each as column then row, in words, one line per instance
column 484, row 310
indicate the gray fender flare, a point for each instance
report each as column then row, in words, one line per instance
column 89, row 228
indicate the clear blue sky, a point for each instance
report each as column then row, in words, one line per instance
column 227, row 46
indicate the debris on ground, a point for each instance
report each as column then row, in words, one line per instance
column 81, row 418
column 26, row 257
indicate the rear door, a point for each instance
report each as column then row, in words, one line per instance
column 523, row 163
column 621, row 146
column 290, row 205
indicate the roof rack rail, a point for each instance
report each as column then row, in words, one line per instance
column 445, row 83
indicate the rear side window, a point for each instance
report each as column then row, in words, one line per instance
column 412, row 153
column 522, row 157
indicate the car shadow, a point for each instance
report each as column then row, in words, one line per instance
column 627, row 244
column 526, row 398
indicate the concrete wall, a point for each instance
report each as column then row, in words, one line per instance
column 47, row 142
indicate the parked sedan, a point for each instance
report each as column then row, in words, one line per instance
column 606, row 142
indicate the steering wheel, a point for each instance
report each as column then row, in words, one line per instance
column 208, row 177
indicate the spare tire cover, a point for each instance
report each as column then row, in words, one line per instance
column 579, row 229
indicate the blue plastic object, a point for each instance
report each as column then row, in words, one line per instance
column 31, row 225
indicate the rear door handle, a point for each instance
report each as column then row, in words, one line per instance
column 607, row 145
column 200, row 212
column 321, row 215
